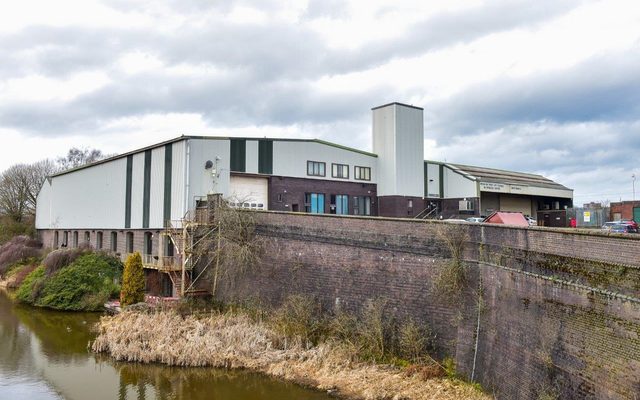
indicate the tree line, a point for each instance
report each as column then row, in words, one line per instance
column 21, row 183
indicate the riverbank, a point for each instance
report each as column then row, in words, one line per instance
column 237, row 342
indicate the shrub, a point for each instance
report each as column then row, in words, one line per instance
column 414, row 340
column 20, row 273
column 31, row 286
column 300, row 317
column 18, row 249
column 58, row 259
column 9, row 229
column 84, row 285
column 132, row 281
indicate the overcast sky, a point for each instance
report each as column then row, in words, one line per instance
column 551, row 87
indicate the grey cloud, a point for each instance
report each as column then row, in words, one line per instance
column 600, row 89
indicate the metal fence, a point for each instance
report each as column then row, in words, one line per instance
column 589, row 217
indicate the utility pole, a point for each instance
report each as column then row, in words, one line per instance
column 633, row 183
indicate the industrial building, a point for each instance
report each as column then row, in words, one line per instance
column 123, row 203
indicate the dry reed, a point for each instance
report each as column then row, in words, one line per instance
column 235, row 341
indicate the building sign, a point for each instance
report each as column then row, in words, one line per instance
column 503, row 188
column 587, row 216
column 494, row 187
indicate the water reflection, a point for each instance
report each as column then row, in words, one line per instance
column 43, row 355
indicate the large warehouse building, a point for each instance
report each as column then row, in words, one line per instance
column 121, row 203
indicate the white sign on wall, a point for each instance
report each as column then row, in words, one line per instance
column 503, row 188
column 587, row 216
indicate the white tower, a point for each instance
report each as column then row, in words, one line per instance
column 398, row 140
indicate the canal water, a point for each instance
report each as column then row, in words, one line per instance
column 44, row 355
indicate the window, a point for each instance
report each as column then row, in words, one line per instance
column 114, row 241
column 148, row 243
column 65, row 239
column 129, row 243
column 56, row 239
column 75, row 238
column 410, row 203
column 340, row 171
column 362, row 173
column 361, row 205
column 87, row 237
column 99, row 240
column 314, row 203
column 280, row 198
column 315, row 168
column 465, row 205
column 339, row 204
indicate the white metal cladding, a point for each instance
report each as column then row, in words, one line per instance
column 200, row 181
column 137, row 190
column 251, row 192
column 433, row 180
column 93, row 197
column 156, row 201
column 290, row 159
column 384, row 145
column 43, row 206
column 251, row 157
column 398, row 139
column 458, row 186
column 409, row 151
column 178, row 180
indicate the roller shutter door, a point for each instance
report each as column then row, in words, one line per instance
column 515, row 204
column 249, row 192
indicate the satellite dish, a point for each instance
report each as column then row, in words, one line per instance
column 208, row 164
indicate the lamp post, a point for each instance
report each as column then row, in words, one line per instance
column 633, row 184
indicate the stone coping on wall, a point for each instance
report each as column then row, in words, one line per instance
column 565, row 231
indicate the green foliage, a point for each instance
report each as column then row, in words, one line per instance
column 132, row 281
column 29, row 286
column 450, row 367
column 86, row 284
column 9, row 229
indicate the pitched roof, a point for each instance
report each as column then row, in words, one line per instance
column 483, row 174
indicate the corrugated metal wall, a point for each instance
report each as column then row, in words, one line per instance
column 137, row 191
column 178, row 180
column 156, row 205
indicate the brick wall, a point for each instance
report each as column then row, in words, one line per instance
column 559, row 310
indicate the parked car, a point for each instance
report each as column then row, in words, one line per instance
column 475, row 219
column 623, row 228
column 532, row 221
column 633, row 224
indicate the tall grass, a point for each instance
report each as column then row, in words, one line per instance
column 236, row 341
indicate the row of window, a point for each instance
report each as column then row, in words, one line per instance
column 99, row 245
column 341, row 171
column 338, row 204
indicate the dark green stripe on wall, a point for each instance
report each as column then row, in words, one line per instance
column 441, row 177
column 265, row 156
column 127, row 196
column 168, row 162
column 426, row 180
column 146, row 196
column 238, row 155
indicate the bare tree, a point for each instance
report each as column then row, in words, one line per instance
column 19, row 187
column 77, row 157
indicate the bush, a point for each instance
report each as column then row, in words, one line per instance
column 414, row 341
column 132, row 281
column 30, row 288
column 9, row 229
column 300, row 317
column 58, row 259
column 19, row 272
column 16, row 250
column 86, row 284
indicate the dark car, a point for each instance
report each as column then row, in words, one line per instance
column 623, row 228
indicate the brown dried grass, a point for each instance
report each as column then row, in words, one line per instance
column 235, row 341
